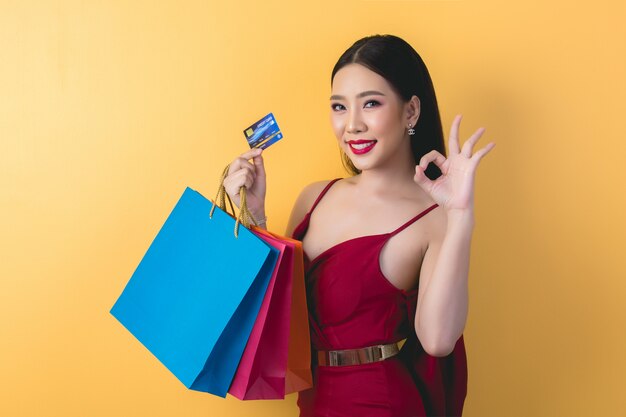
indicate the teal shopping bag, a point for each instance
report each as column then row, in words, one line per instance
column 194, row 297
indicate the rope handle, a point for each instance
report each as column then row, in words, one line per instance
column 245, row 216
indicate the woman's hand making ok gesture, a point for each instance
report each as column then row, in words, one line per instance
column 454, row 189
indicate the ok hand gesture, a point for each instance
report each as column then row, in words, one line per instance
column 454, row 189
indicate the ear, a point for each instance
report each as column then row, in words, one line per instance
column 412, row 108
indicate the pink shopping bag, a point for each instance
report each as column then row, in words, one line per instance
column 263, row 367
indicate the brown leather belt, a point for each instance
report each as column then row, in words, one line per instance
column 358, row 356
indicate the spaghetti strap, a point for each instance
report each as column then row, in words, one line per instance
column 419, row 216
column 319, row 197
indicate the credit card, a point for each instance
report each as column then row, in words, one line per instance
column 263, row 133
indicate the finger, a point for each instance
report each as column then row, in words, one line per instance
column 251, row 153
column 238, row 164
column 483, row 151
column 453, row 142
column 259, row 166
column 421, row 179
column 236, row 179
column 432, row 156
column 240, row 178
column 251, row 169
column 469, row 144
column 235, row 165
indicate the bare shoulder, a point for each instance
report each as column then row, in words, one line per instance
column 303, row 204
column 435, row 224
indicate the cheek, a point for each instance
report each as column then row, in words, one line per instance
column 387, row 122
column 381, row 122
column 337, row 124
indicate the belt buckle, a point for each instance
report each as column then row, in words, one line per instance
column 359, row 356
column 370, row 354
column 387, row 351
column 333, row 358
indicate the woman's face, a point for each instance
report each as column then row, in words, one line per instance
column 365, row 108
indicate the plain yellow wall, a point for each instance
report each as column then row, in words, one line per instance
column 109, row 109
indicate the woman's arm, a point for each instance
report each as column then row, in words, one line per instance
column 442, row 298
column 442, row 302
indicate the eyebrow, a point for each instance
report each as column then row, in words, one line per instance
column 363, row 94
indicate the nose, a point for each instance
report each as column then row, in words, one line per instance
column 354, row 123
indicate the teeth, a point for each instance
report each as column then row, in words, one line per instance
column 361, row 145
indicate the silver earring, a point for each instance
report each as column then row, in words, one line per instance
column 411, row 130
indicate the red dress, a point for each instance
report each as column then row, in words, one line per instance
column 352, row 305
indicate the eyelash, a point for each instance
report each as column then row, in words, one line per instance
column 332, row 106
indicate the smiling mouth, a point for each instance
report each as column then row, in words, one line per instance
column 361, row 146
column 359, row 141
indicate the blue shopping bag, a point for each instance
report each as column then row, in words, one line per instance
column 194, row 298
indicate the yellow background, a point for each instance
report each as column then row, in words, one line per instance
column 109, row 109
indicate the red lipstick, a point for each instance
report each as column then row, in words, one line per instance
column 363, row 146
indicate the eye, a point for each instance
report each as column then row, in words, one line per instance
column 374, row 103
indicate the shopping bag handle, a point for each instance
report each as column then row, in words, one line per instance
column 244, row 217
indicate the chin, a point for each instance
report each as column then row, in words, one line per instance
column 361, row 167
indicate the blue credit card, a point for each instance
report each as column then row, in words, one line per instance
column 263, row 133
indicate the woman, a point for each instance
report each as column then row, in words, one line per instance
column 387, row 248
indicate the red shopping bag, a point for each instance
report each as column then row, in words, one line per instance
column 299, row 375
column 263, row 366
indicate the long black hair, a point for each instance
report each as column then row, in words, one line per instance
column 396, row 61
